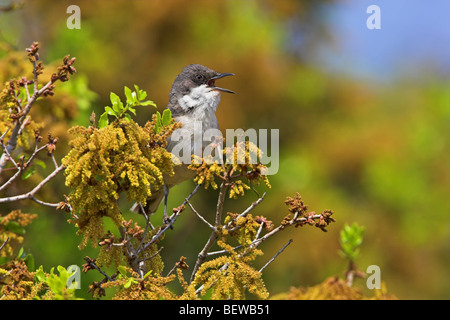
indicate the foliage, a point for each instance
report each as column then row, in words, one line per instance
column 375, row 150
column 120, row 157
column 333, row 288
column 350, row 240
column 336, row 288
column 56, row 286
column 119, row 110
column 123, row 157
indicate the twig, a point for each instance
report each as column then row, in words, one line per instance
column 152, row 256
column 53, row 205
column 21, row 122
column 132, row 255
column 245, row 212
column 21, row 168
column 213, row 237
column 91, row 263
column 222, row 251
column 10, row 180
column 4, row 243
column 147, row 225
column 30, row 195
column 12, row 142
column 136, row 263
column 275, row 256
column 54, row 160
column 201, row 217
column 291, row 222
column 171, row 219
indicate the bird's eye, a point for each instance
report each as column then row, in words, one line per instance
column 199, row 77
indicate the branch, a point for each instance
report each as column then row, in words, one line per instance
column 245, row 213
column 275, row 256
column 20, row 169
column 201, row 217
column 64, row 71
column 136, row 263
column 171, row 219
column 30, row 195
column 90, row 264
column 4, row 243
column 12, row 142
column 213, row 237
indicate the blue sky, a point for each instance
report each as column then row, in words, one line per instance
column 414, row 36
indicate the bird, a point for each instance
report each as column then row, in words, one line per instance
column 193, row 98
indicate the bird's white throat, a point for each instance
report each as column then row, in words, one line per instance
column 200, row 100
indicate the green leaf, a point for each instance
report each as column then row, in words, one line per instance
column 110, row 111
column 166, row 117
column 103, row 121
column 20, row 253
column 148, row 273
column 22, row 95
column 15, row 227
column 40, row 163
column 40, row 274
column 129, row 282
column 29, row 261
column 29, row 172
column 351, row 238
column 132, row 110
column 122, row 270
column 115, row 99
column 158, row 122
column 117, row 104
column 129, row 96
column 141, row 94
column 147, row 103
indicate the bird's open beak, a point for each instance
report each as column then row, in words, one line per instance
column 212, row 82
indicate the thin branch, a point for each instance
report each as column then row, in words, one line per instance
column 53, row 205
column 4, row 243
column 10, row 180
column 293, row 221
column 201, row 217
column 21, row 168
column 147, row 225
column 4, row 134
column 23, row 119
column 152, row 256
column 54, row 160
column 222, row 251
column 30, row 195
column 172, row 218
column 213, row 237
column 12, row 142
column 36, row 151
column 91, row 263
column 275, row 256
column 132, row 255
column 245, row 212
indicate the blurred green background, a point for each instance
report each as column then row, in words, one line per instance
column 363, row 115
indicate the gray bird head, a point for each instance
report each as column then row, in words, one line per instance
column 194, row 88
